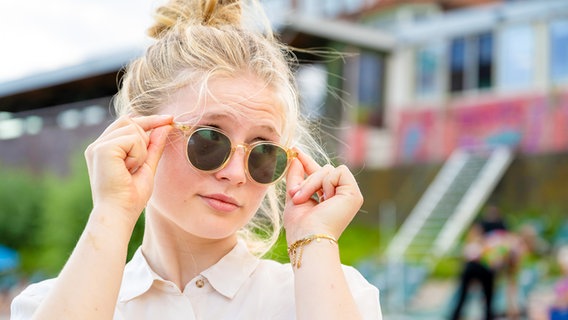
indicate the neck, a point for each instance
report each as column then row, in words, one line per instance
column 177, row 255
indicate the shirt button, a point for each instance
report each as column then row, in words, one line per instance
column 199, row 283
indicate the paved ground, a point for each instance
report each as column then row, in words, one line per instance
column 434, row 301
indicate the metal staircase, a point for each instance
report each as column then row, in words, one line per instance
column 438, row 220
column 448, row 206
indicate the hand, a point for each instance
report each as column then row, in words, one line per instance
column 122, row 163
column 340, row 199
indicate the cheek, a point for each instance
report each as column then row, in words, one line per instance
column 172, row 168
column 257, row 194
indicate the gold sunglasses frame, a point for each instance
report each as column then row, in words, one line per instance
column 189, row 130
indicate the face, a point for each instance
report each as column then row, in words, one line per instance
column 215, row 205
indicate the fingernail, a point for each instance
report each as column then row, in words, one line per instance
column 295, row 188
column 297, row 194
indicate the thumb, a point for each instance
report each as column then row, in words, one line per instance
column 294, row 177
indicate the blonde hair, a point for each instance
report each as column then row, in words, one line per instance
column 197, row 40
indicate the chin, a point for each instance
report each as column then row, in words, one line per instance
column 212, row 227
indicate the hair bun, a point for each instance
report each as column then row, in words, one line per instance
column 213, row 13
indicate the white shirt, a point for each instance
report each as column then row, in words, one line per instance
column 239, row 286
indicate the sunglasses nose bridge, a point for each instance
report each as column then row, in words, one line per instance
column 236, row 147
column 242, row 146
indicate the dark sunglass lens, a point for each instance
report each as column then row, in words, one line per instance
column 208, row 149
column 267, row 163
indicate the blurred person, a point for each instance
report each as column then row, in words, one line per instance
column 211, row 144
column 492, row 220
column 488, row 254
column 559, row 309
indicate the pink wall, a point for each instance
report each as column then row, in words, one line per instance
column 532, row 124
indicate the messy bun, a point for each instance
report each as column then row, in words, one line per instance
column 212, row 13
column 199, row 40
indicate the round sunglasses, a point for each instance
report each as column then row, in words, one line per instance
column 209, row 149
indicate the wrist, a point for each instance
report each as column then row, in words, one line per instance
column 296, row 249
column 296, row 235
column 113, row 218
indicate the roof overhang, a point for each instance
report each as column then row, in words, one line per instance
column 341, row 31
column 90, row 68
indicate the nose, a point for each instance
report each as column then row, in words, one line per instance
column 234, row 170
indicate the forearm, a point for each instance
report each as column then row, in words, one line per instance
column 321, row 289
column 88, row 285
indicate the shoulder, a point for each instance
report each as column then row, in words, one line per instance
column 365, row 294
column 25, row 304
column 282, row 272
column 278, row 278
column 271, row 271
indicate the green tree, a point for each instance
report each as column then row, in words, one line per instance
column 21, row 198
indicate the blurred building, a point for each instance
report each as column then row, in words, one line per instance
column 420, row 79
column 46, row 117
column 428, row 77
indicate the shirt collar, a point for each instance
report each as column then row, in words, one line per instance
column 138, row 277
column 232, row 271
column 226, row 276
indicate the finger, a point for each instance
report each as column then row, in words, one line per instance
column 158, row 139
column 135, row 159
column 330, row 182
column 142, row 123
column 129, row 128
column 120, row 122
column 294, row 177
column 312, row 184
column 151, row 122
column 310, row 165
column 345, row 178
column 132, row 150
column 346, row 185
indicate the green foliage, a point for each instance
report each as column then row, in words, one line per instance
column 66, row 210
column 448, row 267
column 21, row 196
column 136, row 238
column 279, row 251
column 43, row 216
column 357, row 243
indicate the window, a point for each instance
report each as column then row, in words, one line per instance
column 516, row 57
column 485, row 58
column 457, row 65
column 428, row 70
column 471, row 63
column 559, row 51
column 370, row 89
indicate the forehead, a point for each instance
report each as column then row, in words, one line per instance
column 245, row 100
column 227, row 114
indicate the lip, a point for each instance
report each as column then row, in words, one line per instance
column 221, row 202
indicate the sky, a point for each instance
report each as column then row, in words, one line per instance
column 38, row 35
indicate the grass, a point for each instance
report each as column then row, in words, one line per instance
column 358, row 242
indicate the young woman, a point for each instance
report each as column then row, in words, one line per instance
column 211, row 145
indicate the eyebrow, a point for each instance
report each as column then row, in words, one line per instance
column 218, row 116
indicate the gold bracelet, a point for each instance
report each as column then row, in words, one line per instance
column 295, row 249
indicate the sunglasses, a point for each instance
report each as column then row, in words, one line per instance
column 209, row 149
